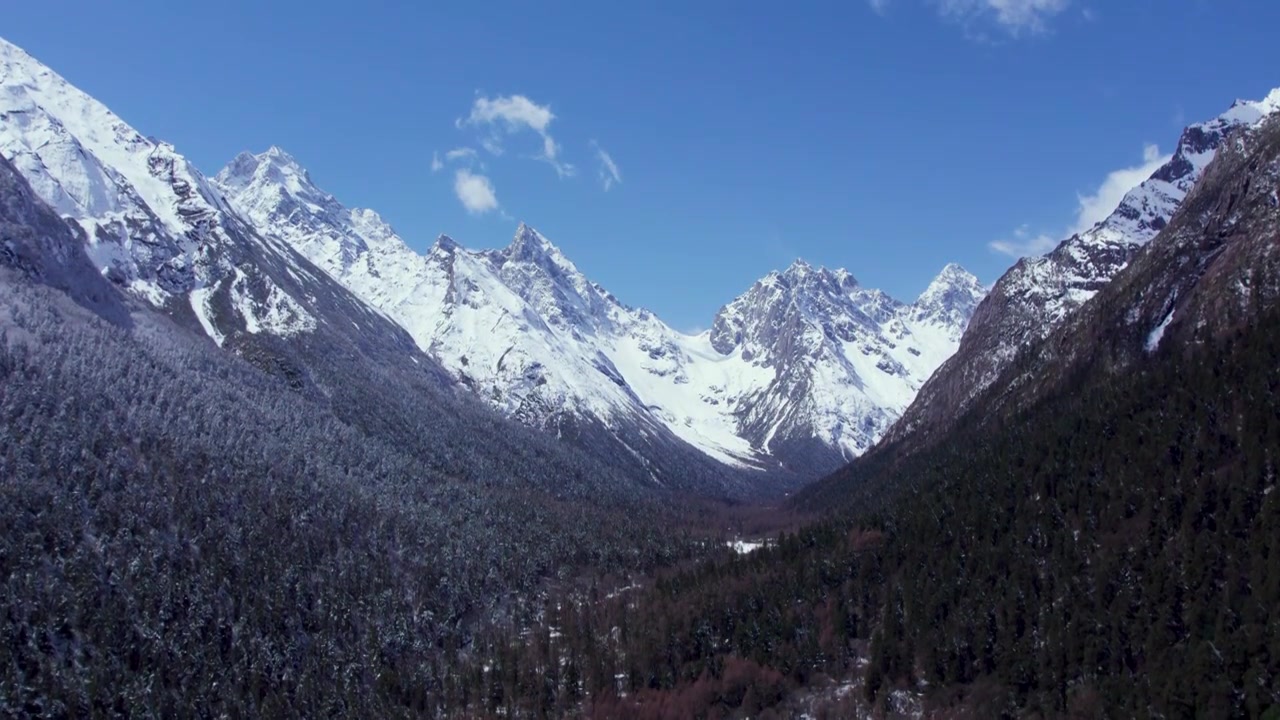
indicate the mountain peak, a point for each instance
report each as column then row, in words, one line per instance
column 275, row 165
column 444, row 243
column 952, row 296
column 801, row 274
column 278, row 154
column 286, row 163
column 798, row 266
column 1251, row 111
column 529, row 244
column 954, row 274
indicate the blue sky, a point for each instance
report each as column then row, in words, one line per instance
column 887, row 136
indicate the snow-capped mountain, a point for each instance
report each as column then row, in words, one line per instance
column 1213, row 269
column 152, row 223
column 1038, row 293
column 806, row 353
column 155, row 227
column 844, row 360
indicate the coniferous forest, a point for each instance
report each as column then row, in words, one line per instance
column 1112, row 552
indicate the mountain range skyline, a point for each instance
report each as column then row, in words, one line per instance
column 803, row 371
column 716, row 188
column 804, row 352
column 799, row 374
column 269, row 453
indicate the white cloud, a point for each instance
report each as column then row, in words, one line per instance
column 1095, row 207
column 514, row 114
column 1023, row 243
column 1017, row 17
column 454, row 155
column 514, row 111
column 475, row 192
column 878, row 6
column 609, row 172
column 1091, row 209
column 460, row 153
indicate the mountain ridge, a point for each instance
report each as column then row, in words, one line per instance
column 160, row 232
column 269, row 266
column 1038, row 293
column 554, row 343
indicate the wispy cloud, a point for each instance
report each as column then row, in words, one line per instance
column 1023, row 243
column 1091, row 209
column 475, row 192
column 1096, row 206
column 609, row 172
column 460, row 153
column 1017, row 17
column 513, row 114
column 466, row 154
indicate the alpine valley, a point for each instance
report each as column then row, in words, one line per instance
column 262, row 456
column 801, row 373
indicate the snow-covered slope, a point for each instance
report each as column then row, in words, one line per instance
column 844, row 360
column 1038, row 293
column 805, row 353
column 39, row 246
column 154, row 226
column 272, row 268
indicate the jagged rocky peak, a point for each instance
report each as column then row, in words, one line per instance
column 529, row 245
column 277, row 155
column 541, row 274
column 274, row 191
column 444, row 244
column 800, row 275
column 952, row 296
column 1146, row 209
column 774, row 302
column 275, row 169
column 376, row 231
column 239, row 172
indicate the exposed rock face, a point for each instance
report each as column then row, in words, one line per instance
column 846, row 359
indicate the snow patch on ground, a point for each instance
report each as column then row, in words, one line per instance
column 1157, row 333
column 200, row 305
column 277, row 313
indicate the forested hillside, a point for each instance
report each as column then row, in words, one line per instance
column 1103, row 544
column 179, row 533
column 183, row 530
column 1110, row 554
